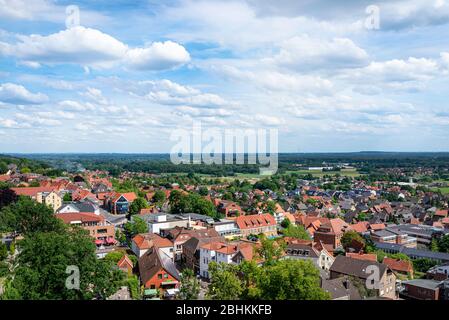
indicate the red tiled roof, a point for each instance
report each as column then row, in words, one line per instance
column 377, row 226
column 360, row 227
column 148, row 240
column 367, row 256
column 31, row 191
column 130, row 196
column 398, row 265
column 4, row 177
column 69, row 217
column 255, row 221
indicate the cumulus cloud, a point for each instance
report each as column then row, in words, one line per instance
column 17, row 94
column 306, row 53
column 158, row 56
column 170, row 93
column 91, row 47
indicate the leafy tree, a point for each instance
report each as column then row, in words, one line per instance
column 27, row 216
column 114, row 256
column 203, row 191
column 44, row 258
column 224, row 282
column 270, row 250
column 291, row 280
column 137, row 205
column 3, row 251
column 159, row 196
column 7, row 196
column 134, row 287
column 423, row 265
column 297, row 232
column 285, row 223
column 350, row 236
column 443, row 244
column 138, row 225
column 3, row 168
column 190, row 286
column 25, row 170
column 67, row 197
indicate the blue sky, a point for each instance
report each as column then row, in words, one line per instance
column 132, row 72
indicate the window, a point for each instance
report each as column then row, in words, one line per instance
column 166, row 276
column 159, row 276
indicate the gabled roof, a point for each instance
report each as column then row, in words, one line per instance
column 129, row 196
column 31, row 191
column 79, row 216
column 149, row 240
column 124, row 262
column 152, row 262
column 398, row 265
column 355, row 267
column 255, row 221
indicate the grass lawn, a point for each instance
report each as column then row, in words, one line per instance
column 443, row 190
column 319, row 173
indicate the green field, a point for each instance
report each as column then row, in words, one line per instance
column 319, row 173
column 443, row 190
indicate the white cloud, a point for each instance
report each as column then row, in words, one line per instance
column 76, row 106
column 91, row 47
column 170, row 93
column 17, row 94
column 158, row 56
column 306, row 53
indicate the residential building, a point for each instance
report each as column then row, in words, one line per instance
column 179, row 236
column 118, row 203
column 226, row 228
column 222, row 252
column 331, row 232
column 257, row 224
column 191, row 251
column 421, row 289
column 157, row 270
column 102, row 231
column 143, row 242
column 307, row 250
column 362, row 269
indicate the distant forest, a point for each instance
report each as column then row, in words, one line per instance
column 365, row 162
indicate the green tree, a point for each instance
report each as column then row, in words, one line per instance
column 297, row 232
column 285, row 223
column 159, row 197
column 224, row 282
column 134, row 287
column 138, row 225
column 25, row 170
column 67, row 197
column 350, row 236
column 190, row 286
column 203, row 191
column 443, row 244
column 137, row 205
column 114, row 256
column 3, row 168
column 27, row 216
column 3, row 251
column 43, row 261
column 291, row 280
column 270, row 250
column 7, row 196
